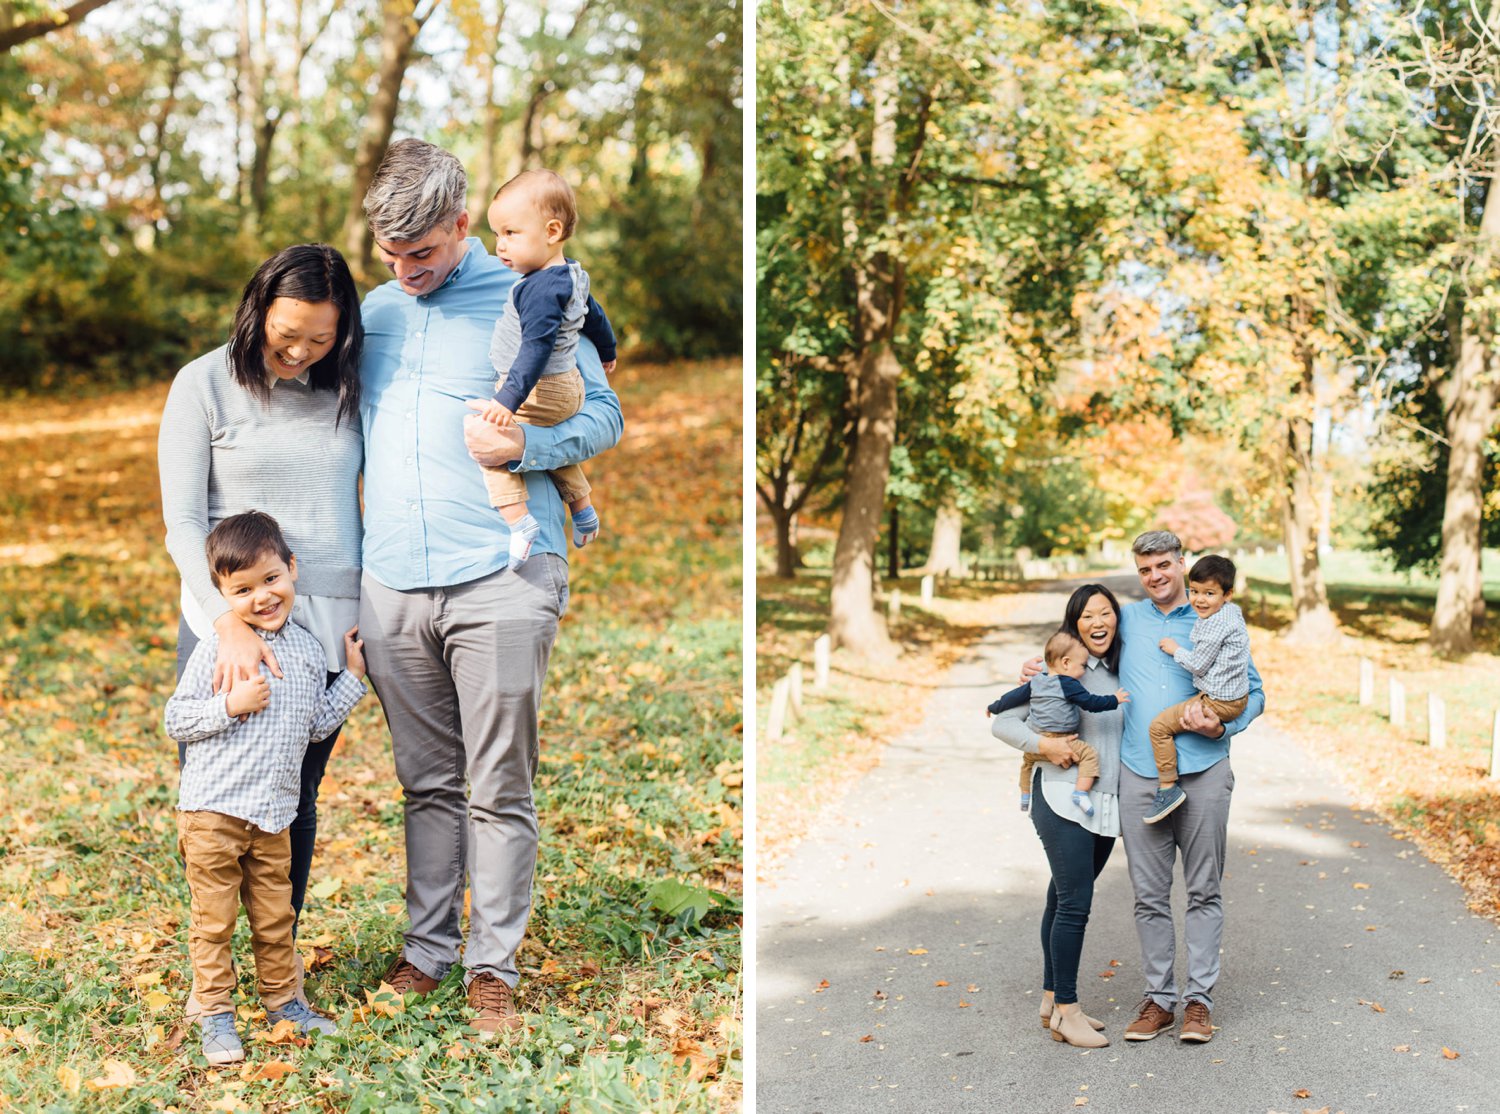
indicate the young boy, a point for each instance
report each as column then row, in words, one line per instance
column 536, row 342
column 240, row 779
column 1219, row 662
column 1056, row 697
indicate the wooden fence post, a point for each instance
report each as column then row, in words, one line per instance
column 926, row 590
column 794, row 679
column 1366, row 682
column 1398, row 703
column 780, row 693
column 821, row 656
column 1495, row 749
column 894, row 606
column 1437, row 722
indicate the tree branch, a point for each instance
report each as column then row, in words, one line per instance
column 24, row 32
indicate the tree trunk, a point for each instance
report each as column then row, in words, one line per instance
column 945, row 557
column 878, row 277
column 853, row 620
column 893, row 545
column 786, row 549
column 399, row 28
column 1469, row 405
column 1312, row 619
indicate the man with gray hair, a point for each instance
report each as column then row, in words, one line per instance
column 457, row 644
column 1198, row 830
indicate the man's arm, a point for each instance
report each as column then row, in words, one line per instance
column 595, row 428
column 1199, row 720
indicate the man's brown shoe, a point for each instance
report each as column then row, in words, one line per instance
column 1197, row 1025
column 494, row 1006
column 1151, row 1020
column 407, row 978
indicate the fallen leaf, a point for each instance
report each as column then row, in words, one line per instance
column 326, row 888
column 1449, row 1054
column 283, row 1032
column 1106, row 974
column 1080, row 1100
column 70, row 1079
column 1302, row 1093
column 941, row 982
column 117, row 1073
column 963, row 1005
column 1361, row 885
column 1377, row 1007
column 1401, row 1048
column 880, row 995
column 867, row 1038
column 702, row 1062
column 916, row 951
column 156, row 1001
column 822, row 986
column 385, row 1001
column 274, row 1070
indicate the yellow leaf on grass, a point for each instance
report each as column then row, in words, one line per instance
column 58, row 887
column 157, row 1001
column 228, row 1104
column 704, row 1061
column 70, row 1079
column 274, row 1070
column 385, row 1001
column 284, row 1031
column 117, row 1074
column 326, row 888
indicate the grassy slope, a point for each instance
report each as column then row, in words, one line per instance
column 640, row 780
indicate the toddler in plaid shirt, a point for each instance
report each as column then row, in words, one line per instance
column 241, row 778
column 1219, row 661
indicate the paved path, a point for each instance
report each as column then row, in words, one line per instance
column 927, row 874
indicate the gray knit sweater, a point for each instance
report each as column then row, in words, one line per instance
column 223, row 451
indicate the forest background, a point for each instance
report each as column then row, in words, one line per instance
column 1035, row 278
column 151, row 155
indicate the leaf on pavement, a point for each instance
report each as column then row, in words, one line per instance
column 1301, row 1093
column 867, row 1038
column 1449, row 1054
column 916, row 951
column 823, row 985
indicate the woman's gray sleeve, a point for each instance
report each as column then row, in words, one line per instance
column 1011, row 727
column 183, row 456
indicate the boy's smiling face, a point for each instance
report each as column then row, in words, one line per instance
column 262, row 594
column 1207, row 597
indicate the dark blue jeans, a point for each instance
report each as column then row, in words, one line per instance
column 304, row 829
column 1076, row 856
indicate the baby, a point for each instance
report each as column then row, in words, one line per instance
column 1219, row 662
column 1056, row 698
column 535, row 345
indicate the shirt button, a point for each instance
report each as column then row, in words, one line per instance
column 419, row 336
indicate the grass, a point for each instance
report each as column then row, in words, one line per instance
column 634, row 1004
column 1443, row 799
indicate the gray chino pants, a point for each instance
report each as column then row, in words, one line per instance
column 459, row 672
column 1199, row 830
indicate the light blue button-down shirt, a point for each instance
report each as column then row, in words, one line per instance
column 1156, row 682
column 428, row 519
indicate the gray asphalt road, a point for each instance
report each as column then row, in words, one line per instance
column 1350, row 962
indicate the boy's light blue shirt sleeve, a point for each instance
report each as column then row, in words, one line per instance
column 594, row 429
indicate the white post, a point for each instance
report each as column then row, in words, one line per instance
column 777, row 719
column 795, row 679
column 1398, row 703
column 1366, row 682
column 822, row 653
column 1495, row 749
column 926, row 590
column 894, row 607
column 1437, row 722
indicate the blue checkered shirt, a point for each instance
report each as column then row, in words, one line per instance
column 253, row 769
column 1219, row 658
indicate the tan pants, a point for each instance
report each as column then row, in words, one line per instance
column 1087, row 760
column 229, row 860
column 1169, row 723
column 555, row 398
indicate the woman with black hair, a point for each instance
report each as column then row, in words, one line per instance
column 270, row 422
column 1077, row 845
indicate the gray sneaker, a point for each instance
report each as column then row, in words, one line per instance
column 221, row 1044
column 307, row 1021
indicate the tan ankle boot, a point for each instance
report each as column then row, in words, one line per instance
column 1047, row 1004
column 1071, row 1025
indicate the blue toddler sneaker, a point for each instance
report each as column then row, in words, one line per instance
column 221, row 1044
column 307, row 1021
column 1165, row 801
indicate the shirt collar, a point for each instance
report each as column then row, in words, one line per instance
column 273, row 635
column 272, row 378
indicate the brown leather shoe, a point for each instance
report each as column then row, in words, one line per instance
column 1197, row 1025
column 406, row 978
column 1151, row 1020
column 494, row 1006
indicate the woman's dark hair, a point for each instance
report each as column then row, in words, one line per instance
column 308, row 273
column 1074, row 611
